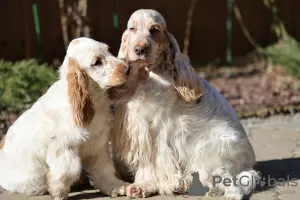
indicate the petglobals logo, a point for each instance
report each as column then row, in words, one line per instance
column 268, row 181
column 265, row 181
column 198, row 189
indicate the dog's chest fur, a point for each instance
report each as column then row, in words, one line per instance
column 152, row 100
column 98, row 129
column 147, row 113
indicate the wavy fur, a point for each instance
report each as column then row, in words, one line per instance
column 175, row 123
column 67, row 127
column 186, row 81
column 82, row 105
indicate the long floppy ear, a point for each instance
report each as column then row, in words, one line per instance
column 186, row 82
column 124, row 46
column 82, row 106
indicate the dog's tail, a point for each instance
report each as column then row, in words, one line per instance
column 2, row 142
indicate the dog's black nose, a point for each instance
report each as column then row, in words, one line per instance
column 139, row 50
column 127, row 70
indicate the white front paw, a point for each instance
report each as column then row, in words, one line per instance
column 134, row 191
column 116, row 190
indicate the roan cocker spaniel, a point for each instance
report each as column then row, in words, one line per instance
column 175, row 123
column 68, row 126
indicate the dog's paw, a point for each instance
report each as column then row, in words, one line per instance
column 183, row 187
column 60, row 198
column 116, row 191
column 134, row 191
column 65, row 197
column 59, row 195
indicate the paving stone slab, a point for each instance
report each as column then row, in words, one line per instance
column 277, row 149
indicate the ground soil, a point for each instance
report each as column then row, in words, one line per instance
column 254, row 90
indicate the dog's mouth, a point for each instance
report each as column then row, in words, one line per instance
column 118, row 81
column 138, row 60
column 146, row 59
column 141, row 62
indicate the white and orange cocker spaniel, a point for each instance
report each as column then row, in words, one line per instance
column 175, row 123
column 43, row 151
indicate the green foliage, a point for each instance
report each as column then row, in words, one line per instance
column 22, row 83
column 286, row 52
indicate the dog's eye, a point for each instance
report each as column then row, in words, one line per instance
column 154, row 30
column 97, row 62
column 132, row 29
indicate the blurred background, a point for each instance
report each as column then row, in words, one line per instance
column 247, row 49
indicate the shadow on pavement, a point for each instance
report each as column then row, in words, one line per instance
column 282, row 172
column 81, row 196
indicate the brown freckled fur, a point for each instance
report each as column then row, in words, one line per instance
column 124, row 45
column 140, row 44
column 82, row 106
column 120, row 69
column 2, row 142
column 186, row 82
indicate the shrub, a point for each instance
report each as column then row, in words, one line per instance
column 22, row 83
column 286, row 53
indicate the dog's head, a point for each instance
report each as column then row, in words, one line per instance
column 92, row 59
column 89, row 66
column 147, row 40
column 145, row 37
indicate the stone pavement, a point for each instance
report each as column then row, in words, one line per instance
column 277, row 146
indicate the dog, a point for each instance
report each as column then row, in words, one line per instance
column 69, row 126
column 174, row 123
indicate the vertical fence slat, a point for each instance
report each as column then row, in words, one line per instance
column 101, row 21
column 51, row 33
column 208, row 32
column 12, row 40
column 296, row 18
column 257, row 20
